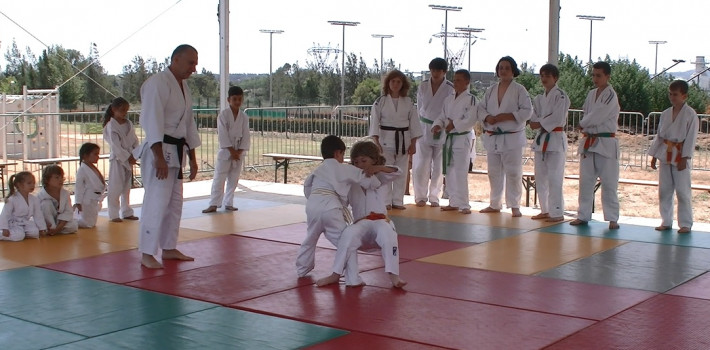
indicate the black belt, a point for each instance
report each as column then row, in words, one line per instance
column 396, row 136
column 180, row 144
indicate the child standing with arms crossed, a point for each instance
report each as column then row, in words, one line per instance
column 550, row 144
column 56, row 203
column 674, row 145
column 234, row 141
column 90, row 186
column 21, row 216
column 599, row 152
column 120, row 135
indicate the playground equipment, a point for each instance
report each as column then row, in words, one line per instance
column 29, row 129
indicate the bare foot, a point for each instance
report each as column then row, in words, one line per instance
column 465, row 211
column 149, row 261
column 662, row 228
column 684, row 230
column 398, row 207
column 613, row 225
column 230, row 208
column 210, row 209
column 434, row 204
column 174, row 254
column 361, row 284
column 556, row 219
column 333, row 278
column 489, row 210
column 540, row 216
column 516, row 212
column 116, row 220
column 577, row 222
column 132, row 217
column 449, row 208
column 421, row 203
column 396, row 281
column 389, row 207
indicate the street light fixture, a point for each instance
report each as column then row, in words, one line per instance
column 468, row 31
column 271, row 33
column 342, row 73
column 656, row 42
column 382, row 45
column 677, row 62
column 446, row 10
column 591, row 20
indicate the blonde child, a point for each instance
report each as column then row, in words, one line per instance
column 674, row 145
column 21, row 216
column 372, row 229
column 234, row 140
column 56, row 203
column 121, row 136
column 90, row 186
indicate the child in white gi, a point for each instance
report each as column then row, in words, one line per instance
column 234, row 140
column 326, row 190
column 21, row 216
column 674, row 145
column 599, row 149
column 504, row 111
column 459, row 116
column 372, row 229
column 90, row 186
column 427, row 174
column 550, row 144
column 56, row 203
column 395, row 128
column 121, row 136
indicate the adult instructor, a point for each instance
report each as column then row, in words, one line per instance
column 166, row 119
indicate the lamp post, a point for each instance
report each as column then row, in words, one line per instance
column 677, row 62
column 468, row 31
column 446, row 10
column 656, row 42
column 271, row 33
column 591, row 20
column 382, row 46
column 342, row 73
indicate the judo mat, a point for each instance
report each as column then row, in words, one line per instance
column 479, row 281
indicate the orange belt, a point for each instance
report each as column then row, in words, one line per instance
column 669, row 150
column 374, row 216
column 590, row 138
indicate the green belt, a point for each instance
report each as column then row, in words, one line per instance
column 448, row 151
column 425, row 120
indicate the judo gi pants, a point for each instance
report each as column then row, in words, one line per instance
column 229, row 171
column 367, row 235
column 505, row 172
column 592, row 166
column 549, row 174
column 427, row 177
column 671, row 180
column 457, row 179
column 395, row 194
column 50, row 217
column 119, row 190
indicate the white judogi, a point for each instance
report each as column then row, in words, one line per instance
column 462, row 110
column 395, row 143
column 675, row 139
column 326, row 190
column 54, row 210
column 600, row 159
column 369, row 234
column 123, row 140
column 89, row 191
column 550, row 147
column 231, row 132
column 427, row 176
column 504, row 143
column 165, row 111
column 22, row 218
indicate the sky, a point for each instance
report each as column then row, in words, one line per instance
column 519, row 28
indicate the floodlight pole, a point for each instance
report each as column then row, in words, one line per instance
column 342, row 73
column 271, row 33
column 468, row 31
column 446, row 10
column 677, row 62
column 591, row 20
column 382, row 46
column 656, row 42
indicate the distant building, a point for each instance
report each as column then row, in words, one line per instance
column 701, row 76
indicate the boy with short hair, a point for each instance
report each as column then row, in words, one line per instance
column 458, row 118
column 427, row 173
column 674, row 145
column 550, row 144
column 326, row 190
column 599, row 149
column 234, row 140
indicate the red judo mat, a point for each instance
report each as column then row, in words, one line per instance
column 358, row 341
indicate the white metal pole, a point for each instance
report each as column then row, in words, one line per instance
column 553, row 45
column 223, row 53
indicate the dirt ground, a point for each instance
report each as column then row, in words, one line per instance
column 635, row 200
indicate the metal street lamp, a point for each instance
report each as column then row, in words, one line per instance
column 468, row 31
column 382, row 45
column 656, row 42
column 677, row 62
column 342, row 73
column 591, row 20
column 271, row 33
column 446, row 10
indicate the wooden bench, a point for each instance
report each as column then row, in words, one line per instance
column 3, row 165
column 283, row 160
column 528, row 179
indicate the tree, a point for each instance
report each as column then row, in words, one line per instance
column 573, row 80
column 19, row 71
column 529, row 80
column 134, row 75
column 96, row 86
column 631, row 83
column 54, row 68
column 367, row 92
column 203, row 85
